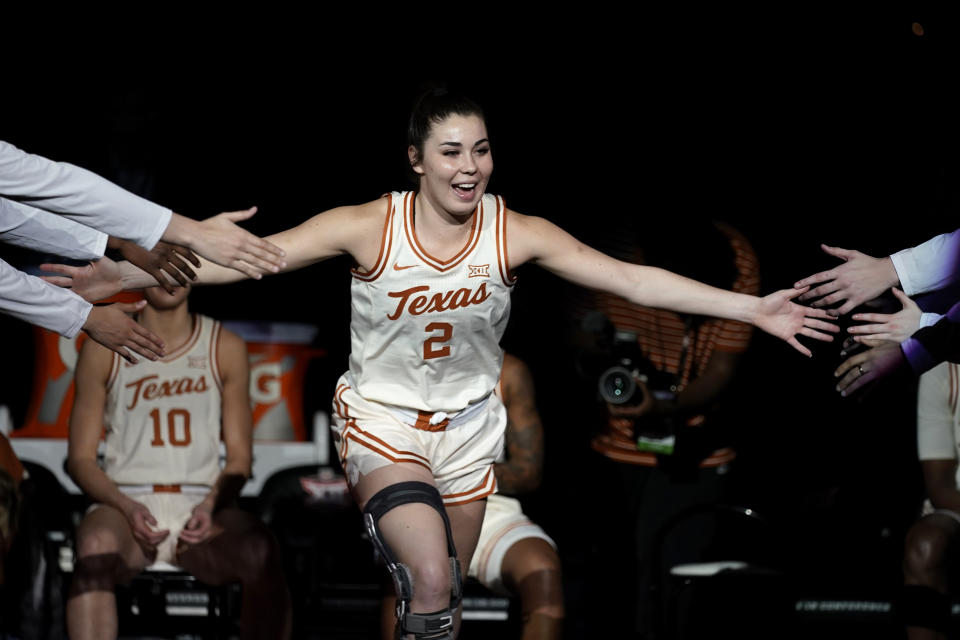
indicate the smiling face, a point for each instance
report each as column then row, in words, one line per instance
column 455, row 164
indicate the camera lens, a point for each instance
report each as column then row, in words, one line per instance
column 617, row 385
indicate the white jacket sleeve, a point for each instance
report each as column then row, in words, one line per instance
column 69, row 190
column 38, row 302
column 39, row 230
column 933, row 265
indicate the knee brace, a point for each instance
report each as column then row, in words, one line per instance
column 439, row 624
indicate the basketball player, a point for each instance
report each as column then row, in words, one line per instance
column 161, row 495
column 415, row 418
column 514, row 556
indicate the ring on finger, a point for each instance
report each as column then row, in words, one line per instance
column 860, row 369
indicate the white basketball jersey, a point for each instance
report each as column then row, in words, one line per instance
column 425, row 333
column 163, row 417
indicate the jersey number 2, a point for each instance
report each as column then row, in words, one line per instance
column 172, row 420
column 430, row 348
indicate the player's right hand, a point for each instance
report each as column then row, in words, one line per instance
column 144, row 526
column 220, row 240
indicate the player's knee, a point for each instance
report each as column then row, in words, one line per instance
column 97, row 542
column 431, row 583
column 925, row 549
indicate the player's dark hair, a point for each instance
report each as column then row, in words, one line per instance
column 431, row 107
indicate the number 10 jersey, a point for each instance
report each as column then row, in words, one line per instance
column 163, row 417
column 425, row 333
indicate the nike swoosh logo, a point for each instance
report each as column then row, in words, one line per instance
column 397, row 267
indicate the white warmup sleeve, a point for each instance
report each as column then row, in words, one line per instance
column 39, row 230
column 936, row 411
column 933, row 265
column 82, row 195
column 38, row 302
column 928, row 318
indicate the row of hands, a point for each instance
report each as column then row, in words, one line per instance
column 218, row 239
column 858, row 280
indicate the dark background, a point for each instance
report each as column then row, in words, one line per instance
column 798, row 128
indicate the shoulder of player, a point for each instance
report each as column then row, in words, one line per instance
column 94, row 358
column 231, row 351
column 367, row 216
column 524, row 224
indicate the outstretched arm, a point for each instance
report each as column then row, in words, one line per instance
column 345, row 230
column 91, row 200
column 539, row 241
column 31, row 299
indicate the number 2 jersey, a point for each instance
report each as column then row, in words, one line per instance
column 163, row 417
column 425, row 333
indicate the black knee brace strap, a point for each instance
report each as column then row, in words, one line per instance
column 423, row 625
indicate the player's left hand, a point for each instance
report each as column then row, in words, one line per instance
column 780, row 317
column 200, row 525
column 895, row 327
column 881, row 360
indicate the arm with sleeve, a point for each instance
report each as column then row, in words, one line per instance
column 32, row 300
column 930, row 266
column 934, row 344
column 39, row 230
column 85, row 197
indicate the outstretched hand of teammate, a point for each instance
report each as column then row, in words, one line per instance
column 220, row 240
column 895, row 327
column 858, row 279
column 200, row 525
column 113, row 328
column 880, row 361
column 779, row 316
column 163, row 260
column 93, row 282
column 144, row 526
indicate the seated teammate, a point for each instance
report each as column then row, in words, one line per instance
column 515, row 556
column 161, row 495
column 931, row 545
